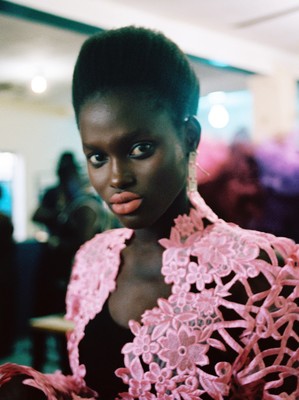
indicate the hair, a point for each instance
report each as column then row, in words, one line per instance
column 135, row 58
column 67, row 166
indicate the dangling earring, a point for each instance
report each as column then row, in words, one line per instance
column 192, row 173
column 196, row 200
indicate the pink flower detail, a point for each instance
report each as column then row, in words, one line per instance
column 179, row 255
column 144, row 346
column 173, row 272
column 216, row 250
column 161, row 377
column 141, row 345
column 153, row 317
column 207, row 302
column 176, row 241
column 181, row 350
column 198, row 274
column 184, row 225
column 140, row 389
column 247, row 250
column 181, row 300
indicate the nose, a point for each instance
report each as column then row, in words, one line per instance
column 122, row 175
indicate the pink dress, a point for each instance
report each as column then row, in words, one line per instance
column 229, row 329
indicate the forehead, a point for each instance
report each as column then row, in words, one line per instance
column 130, row 109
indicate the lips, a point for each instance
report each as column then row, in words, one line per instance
column 125, row 203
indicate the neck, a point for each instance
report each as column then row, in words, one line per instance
column 161, row 228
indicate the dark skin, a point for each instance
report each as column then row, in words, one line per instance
column 151, row 162
column 132, row 146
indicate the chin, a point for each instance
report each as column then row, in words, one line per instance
column 134, row 221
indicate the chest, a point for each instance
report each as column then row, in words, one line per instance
column 139, row 285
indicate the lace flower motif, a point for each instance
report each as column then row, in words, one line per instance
column 198, row 274
column 172, row 356
column 181, row 350
column 142, row 344
column 184, row 225
column 161, row 378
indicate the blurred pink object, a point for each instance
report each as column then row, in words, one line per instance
column 55, row 386
column 212, row 156
column 279, row 164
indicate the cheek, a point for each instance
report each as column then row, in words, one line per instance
column 96, row 179
column 171, row 171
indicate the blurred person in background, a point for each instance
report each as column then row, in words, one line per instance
column 72, row 214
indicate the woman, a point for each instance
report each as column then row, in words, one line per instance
column 180, row 303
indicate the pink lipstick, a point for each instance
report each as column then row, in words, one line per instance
column 125, row 203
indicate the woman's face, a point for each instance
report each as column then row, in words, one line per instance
column 137, row 161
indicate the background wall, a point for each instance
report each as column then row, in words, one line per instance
column 259, row 39
column 37, row 135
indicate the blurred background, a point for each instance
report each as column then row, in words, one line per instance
column 246, row 55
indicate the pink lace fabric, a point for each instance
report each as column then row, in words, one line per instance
column 230, row 326
column 54, row 386
column 229, row 329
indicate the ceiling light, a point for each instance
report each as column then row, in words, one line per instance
column 39, row 84
column 218, row 116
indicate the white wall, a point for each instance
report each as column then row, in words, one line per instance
column 38, row 136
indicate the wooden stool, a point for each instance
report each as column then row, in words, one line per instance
column 54, row 325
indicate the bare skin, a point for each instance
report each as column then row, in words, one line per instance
column 131, row 146
column 139, row 283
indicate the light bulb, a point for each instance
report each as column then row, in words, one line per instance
column 39, row 84
column 218, row 116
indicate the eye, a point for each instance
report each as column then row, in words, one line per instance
column 96, row 159
column 142, row 150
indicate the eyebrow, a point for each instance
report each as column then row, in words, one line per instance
column 89, row 147
column 127, row 136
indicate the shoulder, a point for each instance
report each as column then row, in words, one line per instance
column 51, row 192
column 247, row 261
column 94, row 271
column 101, row 253
column 233, row 235
column 223, row 251
column 50, row 196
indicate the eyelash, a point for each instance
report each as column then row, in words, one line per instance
column 96, row 163
column 149, row 150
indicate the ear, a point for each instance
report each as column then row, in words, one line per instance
column 192, row 133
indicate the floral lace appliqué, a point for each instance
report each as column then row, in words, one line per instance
column 217, row 309
column 234, row 299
